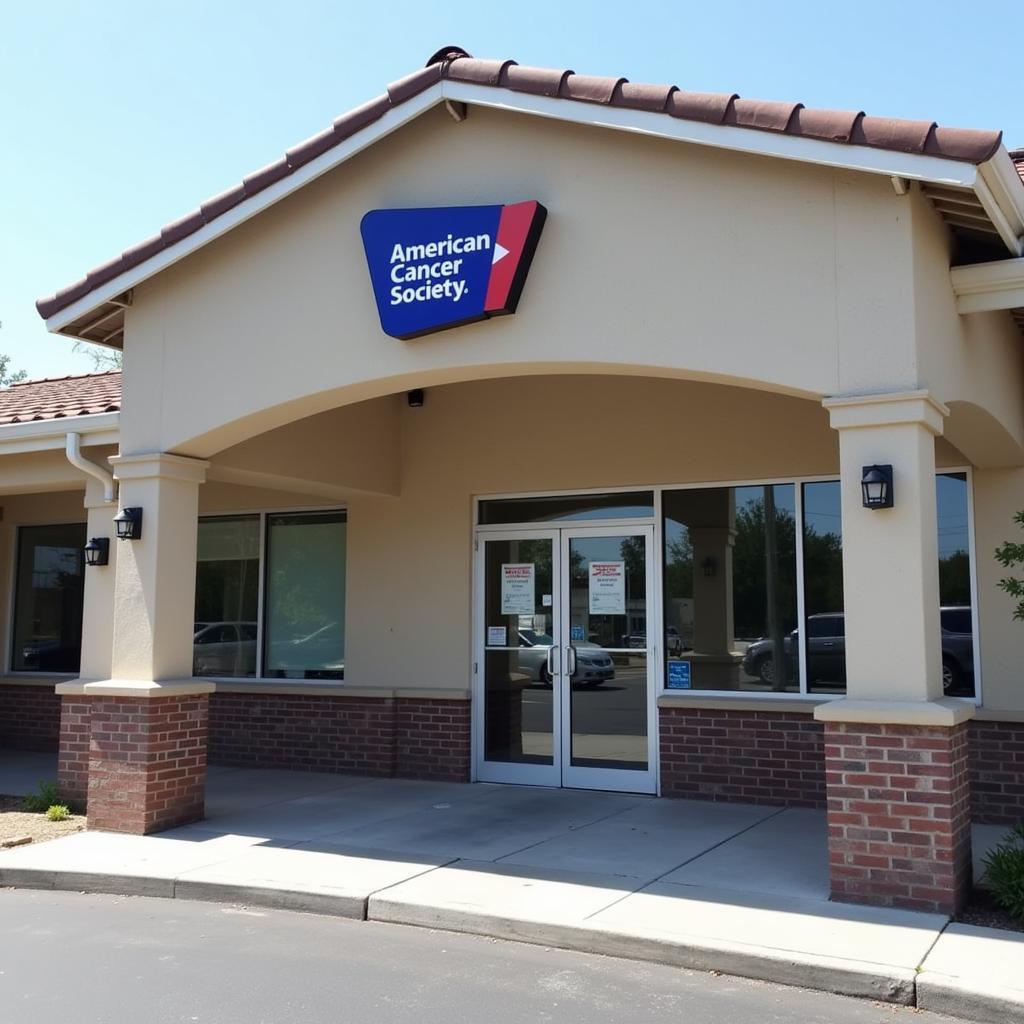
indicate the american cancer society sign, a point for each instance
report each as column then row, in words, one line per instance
column 441, row 267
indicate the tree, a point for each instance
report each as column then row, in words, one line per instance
column 103, row 358
column 1010, row 555
column 6, row 377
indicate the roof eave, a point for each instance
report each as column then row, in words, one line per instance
column 100, row 428
column 995, row 181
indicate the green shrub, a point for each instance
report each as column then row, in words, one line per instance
column 1004, row 872
column 41, row 802
column 58, row 812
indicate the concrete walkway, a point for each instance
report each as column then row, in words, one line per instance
column 728, row 887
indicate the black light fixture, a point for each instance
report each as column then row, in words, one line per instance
column 415, row 398
column 97, row 551
column 710, row 566
column 876, row 486
column 129, row 524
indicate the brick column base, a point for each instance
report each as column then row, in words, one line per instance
column 73, row 752
column 899, row 830
column 147, row 762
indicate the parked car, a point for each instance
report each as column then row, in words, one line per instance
column 320, row 654
column 638, row 641
column 594, row 665
column 826, row 650
column 224, row 649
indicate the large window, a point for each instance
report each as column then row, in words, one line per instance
column 48, row 599
column 300, row 615
column 731, row 595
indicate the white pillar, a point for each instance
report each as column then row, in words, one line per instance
column 98, row 610
column 154, row 591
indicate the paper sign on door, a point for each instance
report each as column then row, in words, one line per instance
column 607, row 588
column 518, row 596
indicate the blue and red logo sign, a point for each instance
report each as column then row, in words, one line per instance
column 437, row 268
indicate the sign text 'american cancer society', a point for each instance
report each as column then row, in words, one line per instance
column 441, row 267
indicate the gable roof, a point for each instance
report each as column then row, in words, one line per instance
column 102, row 321
column 59, row 397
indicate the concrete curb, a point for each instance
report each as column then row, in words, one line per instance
column 865, row 980
column 273, row 898
column 955, row 998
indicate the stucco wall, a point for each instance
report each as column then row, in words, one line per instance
column 704, row 263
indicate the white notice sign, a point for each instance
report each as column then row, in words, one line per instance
column 517, row 589
column 607, row 588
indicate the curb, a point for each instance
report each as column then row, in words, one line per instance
column 942, row 994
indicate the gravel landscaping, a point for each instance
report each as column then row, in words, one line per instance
column 15, row 823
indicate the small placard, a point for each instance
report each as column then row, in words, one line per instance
column 577, row 633
column 678, row 674
column 545, row 600
column 497, row 636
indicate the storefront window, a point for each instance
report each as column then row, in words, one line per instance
column 825, row 630
column 227, row 596
column 566, row 507
column 304, row 630
column 48, row 599
column 302, row 615
column 730, row 588
column 955, row 615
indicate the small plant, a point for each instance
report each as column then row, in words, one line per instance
column 1009, row 556
column 58, row 812
column 1004, row 872
column 41, row 802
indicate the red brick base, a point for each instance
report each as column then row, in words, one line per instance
column 997, row 772
column 29, row 717
column 899, row 828
column 147, row 762
column 73, row 758
column 410, row 738
column 763, row 757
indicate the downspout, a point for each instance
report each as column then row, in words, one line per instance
column 73, row 450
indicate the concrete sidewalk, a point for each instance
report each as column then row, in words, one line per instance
column 733, row 888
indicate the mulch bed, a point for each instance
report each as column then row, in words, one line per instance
column 983, row 911
column 15, row 822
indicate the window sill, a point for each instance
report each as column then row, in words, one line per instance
column 336, row 688
column 727, row 701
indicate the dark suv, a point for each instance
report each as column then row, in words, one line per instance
column 826, row 651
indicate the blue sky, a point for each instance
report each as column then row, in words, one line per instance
column 118, row 117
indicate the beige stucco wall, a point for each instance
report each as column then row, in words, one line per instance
column 703, row 263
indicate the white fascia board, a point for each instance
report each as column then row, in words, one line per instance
column 1001, row 192
column 50, row 435
column 988, row 286
column 743, row 140
column 391, row 121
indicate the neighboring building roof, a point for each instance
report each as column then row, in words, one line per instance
column 1017, row 156
column 852, row 128
column 59, row 397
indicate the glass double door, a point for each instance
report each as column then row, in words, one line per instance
column 564, row 658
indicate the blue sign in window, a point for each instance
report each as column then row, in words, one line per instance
column 678, row 674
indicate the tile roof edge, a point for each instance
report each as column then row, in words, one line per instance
column 782, row 117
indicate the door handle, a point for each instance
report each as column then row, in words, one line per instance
column 570, row 661
column 551, row 662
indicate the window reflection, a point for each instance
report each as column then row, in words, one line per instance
column 825, row 628
column 730, row 588
column 955, row 615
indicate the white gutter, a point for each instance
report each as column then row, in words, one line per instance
column 987, row 286
column 73, row 450
column 50, row 435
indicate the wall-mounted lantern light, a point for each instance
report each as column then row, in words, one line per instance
column 876, row 486
column 97, row 551
column 129, row 524
column 415, row 398
column 710, row 566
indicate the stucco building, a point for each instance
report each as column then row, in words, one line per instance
column 619, row 539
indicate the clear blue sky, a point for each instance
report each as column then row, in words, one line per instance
column 118, row 117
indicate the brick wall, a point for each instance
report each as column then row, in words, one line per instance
column 410, row 738
column 997, row 771
column 432, row 740
column 73, row 760
column 898, row 815
column 765, row 757
column 29, row 717
column 147, row 762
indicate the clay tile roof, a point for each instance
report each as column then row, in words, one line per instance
column 58, row 397
column 454, row 63
column 1017, row 156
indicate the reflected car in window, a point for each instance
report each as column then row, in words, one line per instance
column 594, row 665
column 224, row 649
column 826, row 650
column 305, row 656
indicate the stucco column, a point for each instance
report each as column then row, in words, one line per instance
column 895, row 748
column 97, row 637
column 147, row 720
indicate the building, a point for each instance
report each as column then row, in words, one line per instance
column 620, row 539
